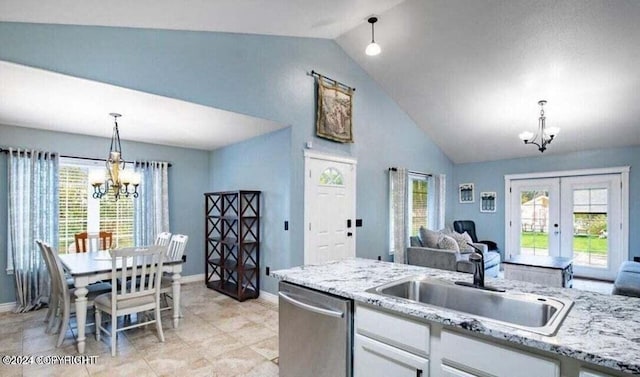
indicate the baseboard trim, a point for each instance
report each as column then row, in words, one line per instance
column 197, row 278
column 269, row 297
column 7, row 307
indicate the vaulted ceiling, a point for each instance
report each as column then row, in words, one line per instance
column 469, row 72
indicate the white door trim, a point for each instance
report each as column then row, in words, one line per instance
column 624, row 200
column 308, row 155
column 329, row 157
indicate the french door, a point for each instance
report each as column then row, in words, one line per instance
column 578, row 217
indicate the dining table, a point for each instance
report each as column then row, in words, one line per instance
column 94, row 266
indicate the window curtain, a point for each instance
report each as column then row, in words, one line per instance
column 32, row 215
column 439, row 182
column 398, row 214
column 151, row 208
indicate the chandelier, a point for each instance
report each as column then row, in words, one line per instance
column 545, row 134
column 122, row 181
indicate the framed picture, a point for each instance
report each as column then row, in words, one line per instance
column 488, row 201
column 333, row 120
column 465, row 191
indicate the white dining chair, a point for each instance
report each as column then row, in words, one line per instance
column 65, row 295
column 175, row 251
column 53, row 291
column 163, row 239
column 130, row 265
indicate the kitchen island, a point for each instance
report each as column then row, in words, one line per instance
column 600, row 336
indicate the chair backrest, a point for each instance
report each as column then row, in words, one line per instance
column 93, row 241
column 56, row 270
column 176, row 247
column 468, row 226
column 136, row 264
column 163, row 239
column 44, row 251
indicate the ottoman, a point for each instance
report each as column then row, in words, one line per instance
column 628, row 280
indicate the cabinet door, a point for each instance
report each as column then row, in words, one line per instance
column 374, row 359
column 448, row 371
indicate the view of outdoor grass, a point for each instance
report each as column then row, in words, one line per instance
column 589, row 243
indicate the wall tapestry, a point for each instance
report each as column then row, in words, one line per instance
column 333, row 120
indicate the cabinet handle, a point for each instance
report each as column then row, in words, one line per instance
column 311, row 308
column 418, row 372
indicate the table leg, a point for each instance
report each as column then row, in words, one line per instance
column 81, row 314
column 175, row 285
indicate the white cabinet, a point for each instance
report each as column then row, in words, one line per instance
column 389, row 345
column 477, row 355
column 376, row 359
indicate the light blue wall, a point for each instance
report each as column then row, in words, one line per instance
column 261, row 163
column 188, row 179
column 262, row 76
column 489, row 176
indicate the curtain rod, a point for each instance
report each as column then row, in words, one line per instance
column 3, row 150
column 314, row 73
column 393, row 168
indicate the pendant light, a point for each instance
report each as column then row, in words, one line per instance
column 373, row 48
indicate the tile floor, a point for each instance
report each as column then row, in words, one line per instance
column 218, row 337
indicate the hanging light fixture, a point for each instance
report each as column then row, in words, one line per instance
column 545, row 133
column 122, row 181
column 372, row 48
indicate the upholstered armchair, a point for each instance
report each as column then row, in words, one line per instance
column 469, row 226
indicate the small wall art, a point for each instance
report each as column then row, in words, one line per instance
column 466, row 194
column 488, row 201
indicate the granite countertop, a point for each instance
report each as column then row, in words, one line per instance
column 599, row 329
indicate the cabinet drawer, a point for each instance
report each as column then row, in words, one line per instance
column 374, row 359
column 477, row 355
column 404, row 333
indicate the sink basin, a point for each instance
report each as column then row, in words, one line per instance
column 537, row 314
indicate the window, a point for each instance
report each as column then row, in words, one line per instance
column 417, row 192
column 331, row 176
column 80, row 212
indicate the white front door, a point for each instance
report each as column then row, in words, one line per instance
column 329, row 208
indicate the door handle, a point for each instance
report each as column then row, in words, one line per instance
column 311, row 308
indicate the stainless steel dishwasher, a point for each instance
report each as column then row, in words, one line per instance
column 315, row 332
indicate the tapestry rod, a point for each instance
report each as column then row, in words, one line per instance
column 2, row 150
column 314, row 73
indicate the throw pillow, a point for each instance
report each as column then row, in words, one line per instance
column 447, row 243
column 462, row 240
column 429, row 238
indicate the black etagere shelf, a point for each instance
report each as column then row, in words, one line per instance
column 232, row 243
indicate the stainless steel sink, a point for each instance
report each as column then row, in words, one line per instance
column 538, row 314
